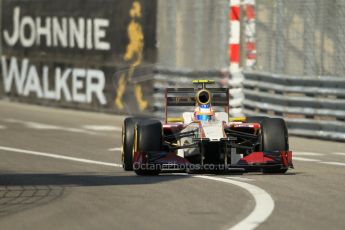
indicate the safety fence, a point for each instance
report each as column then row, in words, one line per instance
column 312, row 106
column 301, row 37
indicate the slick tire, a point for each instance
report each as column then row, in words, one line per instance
column 128, row 142
column 148, row 138
column 255, row 119
column 274, row 136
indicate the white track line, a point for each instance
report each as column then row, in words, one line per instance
column 56, row 156
column 102, row 128
column 2, row 127
column 332, row 163
column 264, row 203
column 339, row 154
column 42, row 126
column 307, row 154
column 115, row 149
column 320, row 161
column 305, row 159
column 240, row 178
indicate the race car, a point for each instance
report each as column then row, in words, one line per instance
column 204, row 138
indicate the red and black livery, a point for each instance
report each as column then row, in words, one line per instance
column 218, row 144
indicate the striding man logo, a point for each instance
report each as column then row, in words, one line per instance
column 133, row 55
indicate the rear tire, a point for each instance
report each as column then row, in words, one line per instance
column 128, row 141
column 148, row 138
column 255, row 119
column 274, row 136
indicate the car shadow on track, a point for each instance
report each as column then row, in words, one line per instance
column 272, row 174
column 81, row 179
column 22, row 191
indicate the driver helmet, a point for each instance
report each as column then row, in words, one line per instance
column 203, row 113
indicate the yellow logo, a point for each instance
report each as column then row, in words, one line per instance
column 134, row 54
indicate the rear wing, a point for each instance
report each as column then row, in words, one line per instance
column 187, row 97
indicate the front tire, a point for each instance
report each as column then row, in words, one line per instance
column 274, row 136
column 128, row 141
column 148, row 138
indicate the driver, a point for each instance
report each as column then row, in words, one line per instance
column 203, row 112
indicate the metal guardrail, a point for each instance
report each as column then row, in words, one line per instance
column 311, row 106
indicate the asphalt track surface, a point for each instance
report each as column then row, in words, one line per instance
column 59, row 170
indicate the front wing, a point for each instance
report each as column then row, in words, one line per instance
column 253, row 161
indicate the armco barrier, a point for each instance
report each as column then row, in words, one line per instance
column 85, row 54
column 312, row 106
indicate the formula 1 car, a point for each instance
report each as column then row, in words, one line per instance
column 204, row 140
